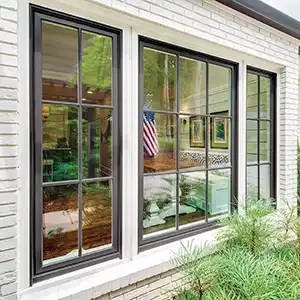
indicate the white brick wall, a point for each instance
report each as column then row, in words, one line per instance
column 205, row 19
column 8, row 148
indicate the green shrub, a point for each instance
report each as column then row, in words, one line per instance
column 251, row 260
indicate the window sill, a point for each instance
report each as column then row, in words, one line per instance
column 98, row 280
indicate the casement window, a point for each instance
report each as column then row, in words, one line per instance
column 188, row 141
column 261, row 131
column 76, row 117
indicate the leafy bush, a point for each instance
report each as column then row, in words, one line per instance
column 251, row 259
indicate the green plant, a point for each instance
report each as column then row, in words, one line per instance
column 250, row 259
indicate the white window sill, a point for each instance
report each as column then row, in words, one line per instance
column 103, row 278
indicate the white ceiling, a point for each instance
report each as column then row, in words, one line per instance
column 289, row 7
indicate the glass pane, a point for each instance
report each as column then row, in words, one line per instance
column 219, row 192
column 252, row 95
column 252, row 140
column 265, row 182
column 159, row 80
column 97, row 214
column 265, row 96
column 192, row 197
column 219, row 91
column 60, row 222
column 60, row 142
column 96, row 142
column 96, row 69
column 252, row 182
column 159, row 138
column 60, row 53
column 192, row 142
column 264, row 141
column 192, row 81
column 159, row 203
column 220, row 142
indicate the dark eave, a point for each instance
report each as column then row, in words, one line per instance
column 267, row 14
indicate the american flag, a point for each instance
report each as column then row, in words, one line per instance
column 149, row 131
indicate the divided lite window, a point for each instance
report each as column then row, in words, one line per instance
column 261, row 131
column 187, row 141
column 76, row 192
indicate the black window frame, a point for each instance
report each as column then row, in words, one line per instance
column 273, row 130
column 162, row 239
column 37, row 271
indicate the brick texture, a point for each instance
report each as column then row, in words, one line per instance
column 159, row 287
column 8, row 147
column 205, row 19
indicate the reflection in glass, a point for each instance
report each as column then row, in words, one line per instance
column 252, row 182
column 192, row 83
column 60, row 54
column 219, row 90
column 252, row 141
column 159, row 80
column 264, row 132
column 60, row 142
column 192, row 197
column 220, row 142
column 159, row 203
column 252, row 95
column 265, row 97
column 219, row 192
column 97, row 214
column 265, row 182
column 60, row 221
column 96, row 69
column 192, row 142
column 96, row 142
column 159, row 138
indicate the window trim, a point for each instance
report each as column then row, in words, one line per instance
column 190, row 229
column 273, row 131
column 37, row 272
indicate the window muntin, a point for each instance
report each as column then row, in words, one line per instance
column 76, row 144
column 186, row 141
column 260, row 182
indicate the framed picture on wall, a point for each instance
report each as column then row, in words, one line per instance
column 197, row 132
column 219, row 131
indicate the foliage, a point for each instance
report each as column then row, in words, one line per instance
column 250, row 259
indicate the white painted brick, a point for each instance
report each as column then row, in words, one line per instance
column 174, row 7
column 182, row 19
column 9, row 4
column 161, row 11
column 185, row 4
column 8, row 243
column 7, row 221
column 6, row 278
column 8, row 48
column 8, row 26
column 9, row 140
column 150, row 16
column 126, row 7
column 8, row 60
column 159, row 283
column 8, row 82
column 8, row 266
column 7, row 255
column 8, row 93
column 202, row 11
column 8, row 71
column 8, row 198
column 140, row 4
column 9, row 288
column 6, row 210
column 8, row 37
column 8, row 185
column 8, row 128
column 8, row 151
column 137, row 292
column 8, row 14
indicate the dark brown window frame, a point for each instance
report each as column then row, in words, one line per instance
column 273, row 131
column 39, row 272
column 161, row 239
